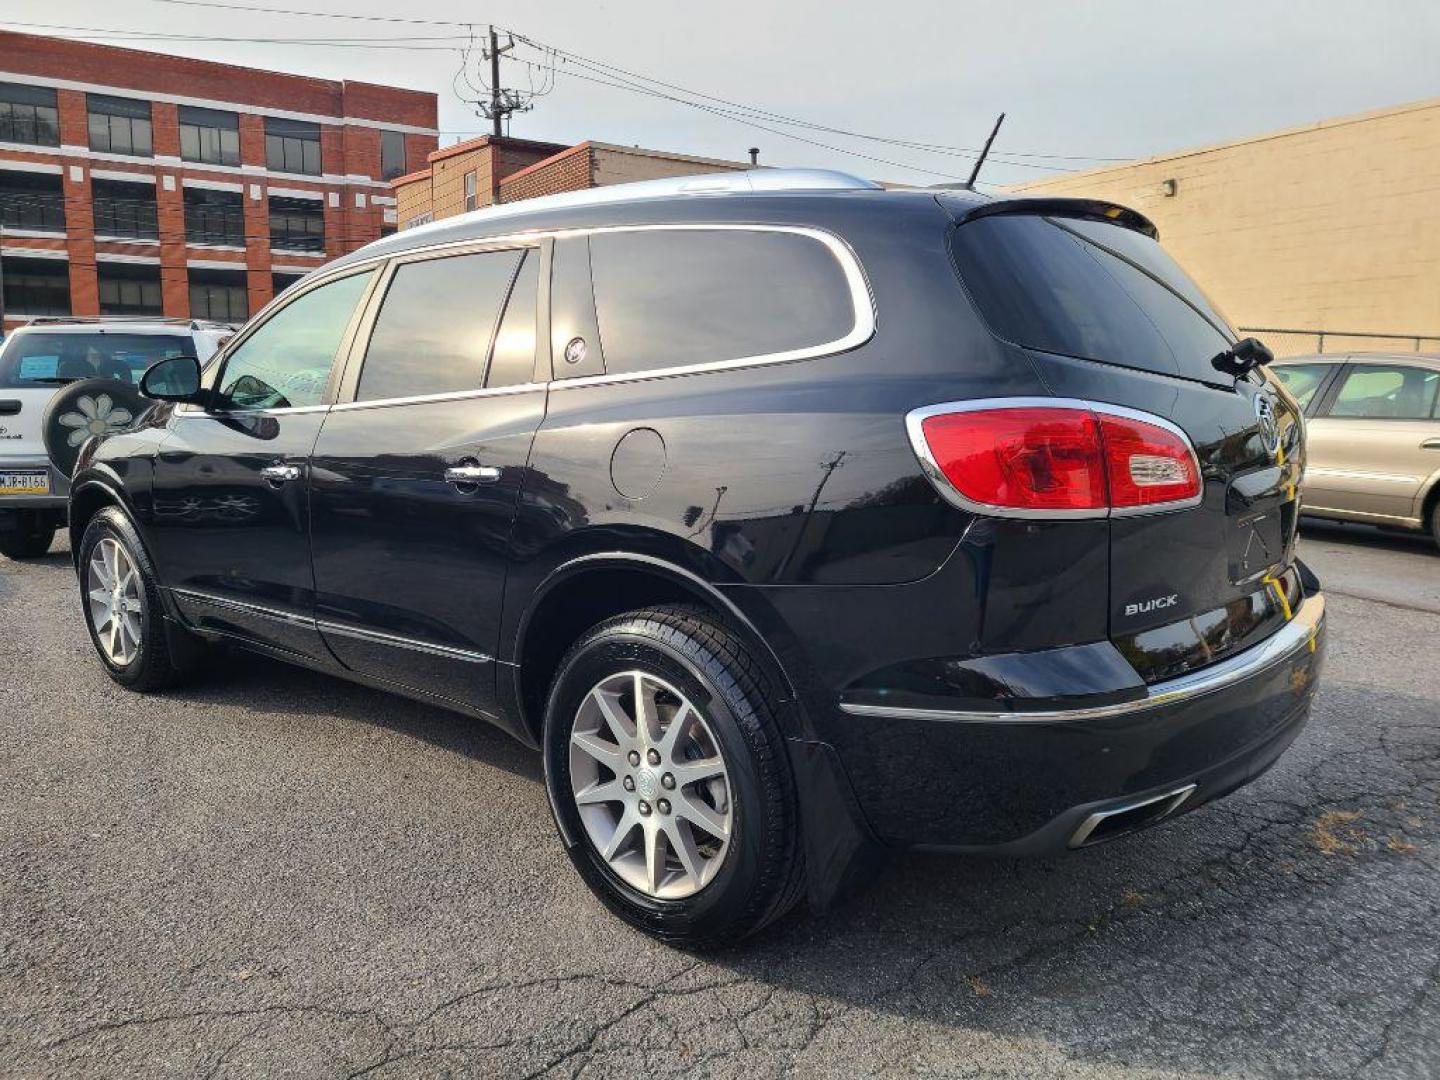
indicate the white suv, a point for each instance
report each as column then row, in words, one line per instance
column 61, row 381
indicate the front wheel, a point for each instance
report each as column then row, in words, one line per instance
column 140, row 648
column 666, row 767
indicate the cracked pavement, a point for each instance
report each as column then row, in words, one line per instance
column 275, row 873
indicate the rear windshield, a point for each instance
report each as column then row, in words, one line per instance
column 37, row 360
column 1093, row 290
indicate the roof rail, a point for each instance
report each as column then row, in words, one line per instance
column 100, row 320
column 737, row 182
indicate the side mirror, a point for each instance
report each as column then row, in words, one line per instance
column 174, row 379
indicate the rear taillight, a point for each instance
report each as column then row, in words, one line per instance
column 1043, row 458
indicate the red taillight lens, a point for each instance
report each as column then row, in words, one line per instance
column 1028, row 458
column 1039, row 458
column 1146, row 464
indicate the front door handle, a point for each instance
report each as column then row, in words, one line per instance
column 1430, row 444
column 275, row 475
column 470, row 475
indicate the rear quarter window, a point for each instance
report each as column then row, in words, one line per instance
column 1092, row 290
column 669, row 298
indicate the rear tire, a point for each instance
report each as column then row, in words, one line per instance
column 701, row 681
column 1435, row 523
column 30, row 537
column 140, row 647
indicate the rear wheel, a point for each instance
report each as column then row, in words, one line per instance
column 29, row 535
column 140, row 648
column 1435, row 523
column 666, row 766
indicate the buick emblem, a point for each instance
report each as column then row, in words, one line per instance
column 1269, row 427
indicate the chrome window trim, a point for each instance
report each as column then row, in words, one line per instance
column 1299, row 633
column 914, row 427
column 378, row 638
column 454, row 395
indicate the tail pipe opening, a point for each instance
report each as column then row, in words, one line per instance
column 1128, row 817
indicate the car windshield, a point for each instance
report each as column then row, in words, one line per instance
column 38, row 360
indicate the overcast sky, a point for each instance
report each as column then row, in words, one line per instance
column 1099, row 80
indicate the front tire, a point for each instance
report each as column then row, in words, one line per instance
column 29, row 537
column 666, row 765
column 141, row 649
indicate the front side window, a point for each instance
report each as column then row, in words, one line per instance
column 285, row 363
column 292, row 146
column 119, row 125
column 28, row 115
column 392, row 154
column 436, row 326
column 124, row 210
column 1089, row 289
column 675, row 297
column 1302, row 380
column 33, row 360
column 211, row 136
column 1387, row 392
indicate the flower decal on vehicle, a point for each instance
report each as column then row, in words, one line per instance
column 96, row 416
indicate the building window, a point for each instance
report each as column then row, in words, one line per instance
column 280, row 282
column 129, row 290
column 214, row 217
column 28, row 115
column 471, row 198
column 292, row 146
column 297, row 224
column 37, row 287
column 34, row 201
column 210, row 136
column 392, row 154
column 220, row 295
column 125, row 211
column 119, row 125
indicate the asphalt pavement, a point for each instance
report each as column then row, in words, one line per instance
column 274, row 873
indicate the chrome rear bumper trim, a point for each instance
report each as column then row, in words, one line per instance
column 1299, row 633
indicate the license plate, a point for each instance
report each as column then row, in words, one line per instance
column 25, row 483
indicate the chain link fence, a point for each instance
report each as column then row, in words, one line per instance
column 1302, row 342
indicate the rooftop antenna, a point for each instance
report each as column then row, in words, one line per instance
column 985, row 151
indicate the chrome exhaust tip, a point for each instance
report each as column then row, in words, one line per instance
column 1129, row 817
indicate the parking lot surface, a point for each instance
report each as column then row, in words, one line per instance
column 274, row 873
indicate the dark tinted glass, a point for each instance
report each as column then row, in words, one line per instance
column 670, row 298
column 434, row 329
column 1047, row 287
column 34, row 360
column 1387, row 392
column 392, row 154
column 512, row 361
column 286, row 362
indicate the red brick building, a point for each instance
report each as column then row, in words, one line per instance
column 134, row 183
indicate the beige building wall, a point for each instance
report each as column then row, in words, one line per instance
column 1332, row 227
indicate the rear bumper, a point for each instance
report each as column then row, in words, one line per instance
column 1025, row 782
column 59, row 496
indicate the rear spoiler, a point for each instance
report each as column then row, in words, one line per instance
column 1094, row 209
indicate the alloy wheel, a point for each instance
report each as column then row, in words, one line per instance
column 651, row 786
column 115, row 603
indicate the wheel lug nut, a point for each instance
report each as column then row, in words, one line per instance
column 664, row 806
column 667, row 782
column 628, row 783
column 653, row 756
column 644, row 808
column 634, row 757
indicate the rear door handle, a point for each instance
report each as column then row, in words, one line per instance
column 469, row 475
column 1430, row 444
column 276, row 475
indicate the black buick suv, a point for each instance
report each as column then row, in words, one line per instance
column 791, row 519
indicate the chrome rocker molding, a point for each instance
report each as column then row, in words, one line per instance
column 1299, row 633
column 914, row 427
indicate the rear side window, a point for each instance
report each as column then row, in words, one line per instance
column 1390, row 392
column 1302, row 380
column 675, row 297
column 1092, row 290
column 436, row 325
column 35, row 360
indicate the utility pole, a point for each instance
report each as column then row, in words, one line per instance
column 501, row 105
